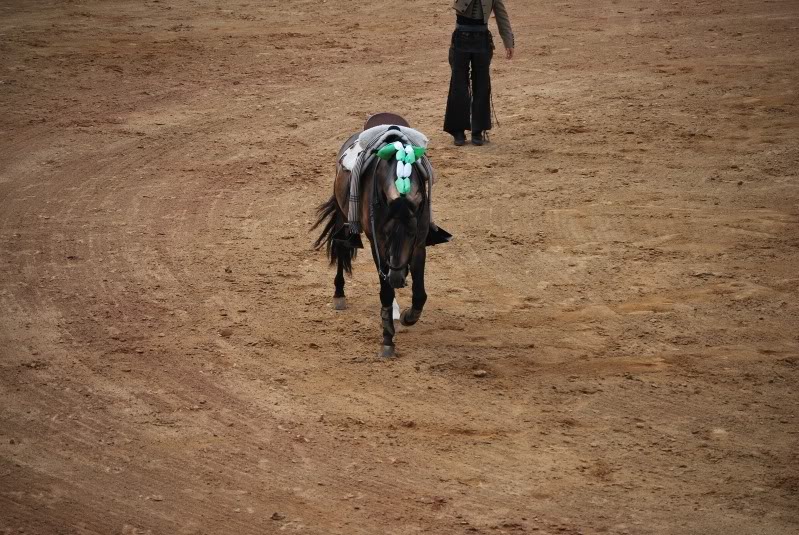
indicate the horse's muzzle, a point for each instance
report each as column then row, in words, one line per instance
column 396, row 277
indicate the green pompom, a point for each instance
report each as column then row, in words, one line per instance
column 403, row 185
column 386, row 152
column 419, row 152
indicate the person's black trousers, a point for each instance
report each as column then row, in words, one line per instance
column 469, row 110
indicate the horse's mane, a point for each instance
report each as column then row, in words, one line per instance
column 401, row 209
column 415, row 175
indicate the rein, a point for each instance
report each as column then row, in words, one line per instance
column 374, row 202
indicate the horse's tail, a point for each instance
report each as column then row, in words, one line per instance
column 329, row 214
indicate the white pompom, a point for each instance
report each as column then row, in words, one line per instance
column 406, row 169
column 398, row 146
column 400, row 169
column 408, row 149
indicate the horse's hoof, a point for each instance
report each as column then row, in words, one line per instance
column 339, row 303
column 387, row 352
column 409, row 317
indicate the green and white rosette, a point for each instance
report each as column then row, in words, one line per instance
column 406, row 156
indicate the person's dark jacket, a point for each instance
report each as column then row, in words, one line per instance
column 498, row 7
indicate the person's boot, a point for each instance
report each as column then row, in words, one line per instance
column 478, row 138
column 459, row 138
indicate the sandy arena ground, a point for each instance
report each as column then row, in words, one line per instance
column 625, row 272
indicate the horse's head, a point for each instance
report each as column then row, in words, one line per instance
column 401, row 198
column 399, row 227
column 401, row 230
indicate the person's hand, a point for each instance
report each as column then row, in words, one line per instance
column 509, row 53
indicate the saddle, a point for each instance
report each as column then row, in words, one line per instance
column 385, row 118
column 349, row 151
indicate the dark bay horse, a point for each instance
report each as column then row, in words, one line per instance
column 397, row 226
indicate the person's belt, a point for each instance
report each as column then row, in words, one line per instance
column 471, row 28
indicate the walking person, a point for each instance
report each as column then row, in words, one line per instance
column 469, row 109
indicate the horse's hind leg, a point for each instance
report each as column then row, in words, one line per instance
column 340, row 254
column 339, row 299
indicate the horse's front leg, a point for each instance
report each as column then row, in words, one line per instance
column 411, row 315
column 387, row 317
column 386, row 313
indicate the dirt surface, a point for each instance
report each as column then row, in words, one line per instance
column 610, row 345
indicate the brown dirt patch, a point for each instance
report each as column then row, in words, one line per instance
column 624, row 272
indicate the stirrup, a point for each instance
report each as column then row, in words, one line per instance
column 344, row 238
column 437, row 235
